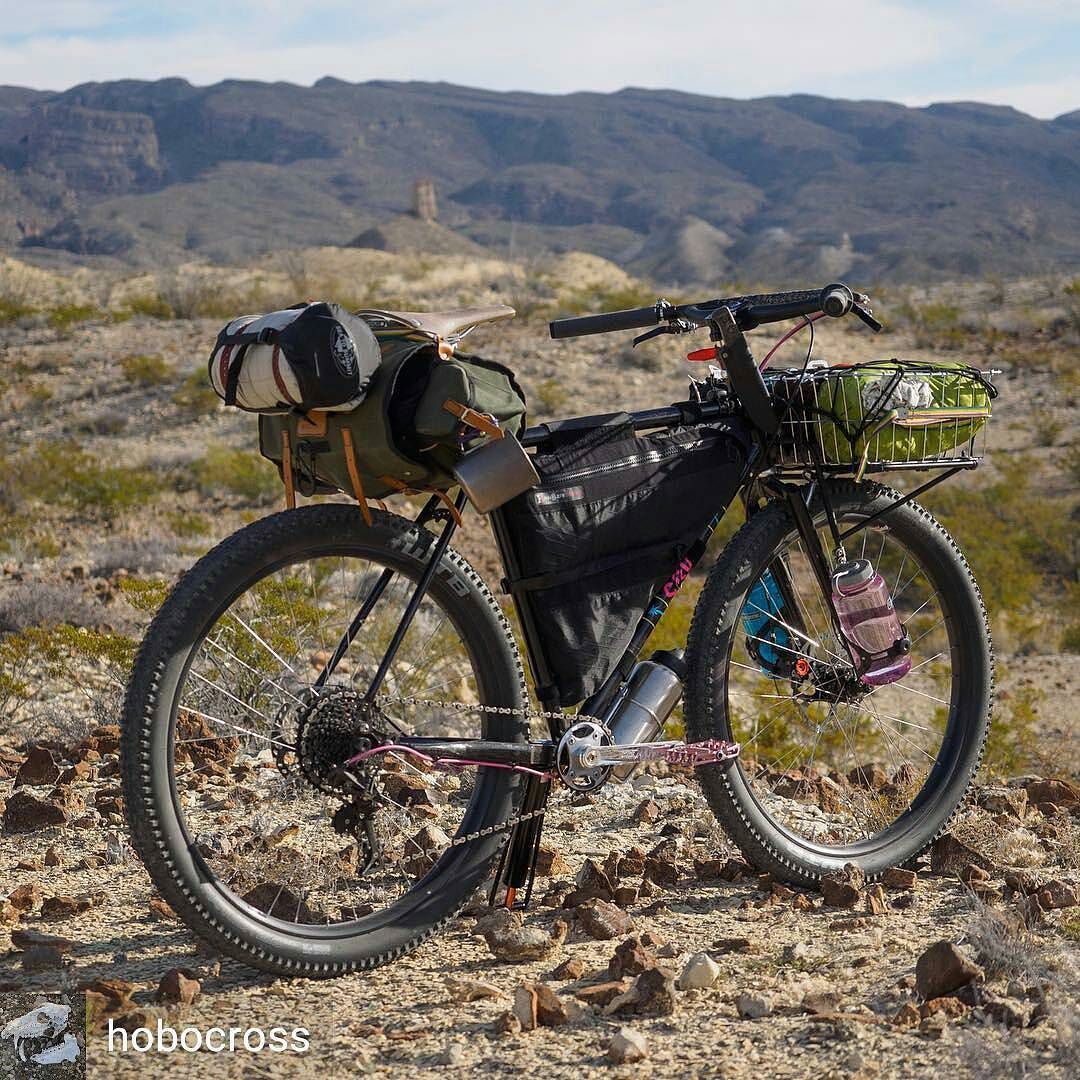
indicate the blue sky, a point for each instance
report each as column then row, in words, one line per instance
column 1024, row 53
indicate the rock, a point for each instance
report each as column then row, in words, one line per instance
column 646, row 812
column 875, row 900
column 1010, row 801
column 733, row 945
column 25, row 897
column 907, row 1016
column 63, row 907
column 701, row 971
column 27, row 813
column 1057, row 894
column 453, row 1056
column 802, row 902
column 821, row 1002
column 41, row 958
column 117, row 992
column 842, row 889
column 159, row 911
column 651, row 994
column 631, row 957
column 507, row 1023
column 551, row 1010
column 972, row 873
column 1010, row 1013
column 30, row 939
column 872, row 775
column 950, row 855
column 52, row 857
column 603, row 921
column 1059, row 792
column 524, row 1008
column 592, row 882
column 550, row 862
column 709, row 869
column 179, row 985
column 753, row 1006
column 32, row 865
column 602, row 993
column 8, row 914
column 632, row 863
column 39, row 767
column 627, row 1046
column 525, row 943
column 465, row 990
column 897, row 878
column 573, row 967
column 498, row 920
column 625, row 896
column 947, row 1007
column 661, row 870
column 942, row 969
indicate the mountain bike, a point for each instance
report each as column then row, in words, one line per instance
column 329, row 746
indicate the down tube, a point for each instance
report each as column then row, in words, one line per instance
column 598, row 704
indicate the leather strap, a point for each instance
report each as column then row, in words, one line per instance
column 286, row 470
column 354, row 474
column 480, row 421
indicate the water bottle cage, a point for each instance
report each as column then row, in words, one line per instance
column 864, row 660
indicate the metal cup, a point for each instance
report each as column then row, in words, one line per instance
column 495, row 473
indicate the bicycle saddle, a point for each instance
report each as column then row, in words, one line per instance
column 439, row 324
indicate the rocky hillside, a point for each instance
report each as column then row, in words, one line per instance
column 681, row 187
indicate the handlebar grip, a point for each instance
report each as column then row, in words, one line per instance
column 631, row 319
column 836, row 300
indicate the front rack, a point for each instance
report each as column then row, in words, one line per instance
column 881, row 416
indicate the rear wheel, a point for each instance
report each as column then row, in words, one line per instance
column 832, row 771
column 232, row 752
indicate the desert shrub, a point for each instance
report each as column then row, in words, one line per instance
column 38, row 603
column 153, row 306
column 1017, row 543
column 149, row 555
column 238, row 472
column 195, row 396
column 188, row 524
column 144, row 370
column 550, row 395
column 1013, row 743
column 66, row 316
column 144, row 594
column 595, row 299
column 64, row 473
column 14, row 310
column 1070, row 638
column 1045, row 426
column 643, row 359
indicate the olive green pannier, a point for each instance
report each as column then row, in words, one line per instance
column 401, row 437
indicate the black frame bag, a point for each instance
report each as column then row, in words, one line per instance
column 613, row 514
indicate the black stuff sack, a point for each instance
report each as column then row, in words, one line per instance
column 312, row 356
column 609, row 522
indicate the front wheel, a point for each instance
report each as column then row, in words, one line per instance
column 833, row 771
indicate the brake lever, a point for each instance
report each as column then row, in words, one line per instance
column 867, row 317
column 674, row 326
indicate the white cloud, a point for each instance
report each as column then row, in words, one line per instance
column 740, row 48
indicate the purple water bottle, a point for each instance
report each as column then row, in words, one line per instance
column 870, row 622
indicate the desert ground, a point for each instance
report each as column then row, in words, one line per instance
column 122, row 469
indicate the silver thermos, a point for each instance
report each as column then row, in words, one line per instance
column 651, row 693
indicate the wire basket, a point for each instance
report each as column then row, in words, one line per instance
column 885, row 414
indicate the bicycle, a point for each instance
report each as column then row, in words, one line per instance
column 355, row 694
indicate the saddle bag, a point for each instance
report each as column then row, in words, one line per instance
column 400, row 437
column 608, row 524
column 312, row 356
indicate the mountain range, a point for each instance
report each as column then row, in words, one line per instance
column 675, row 186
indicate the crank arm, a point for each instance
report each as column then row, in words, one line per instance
column 673, row 752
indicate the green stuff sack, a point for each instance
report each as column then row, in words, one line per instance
column 400, row 435
column 842, row 406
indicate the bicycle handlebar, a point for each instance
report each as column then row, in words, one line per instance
column 834, row 300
